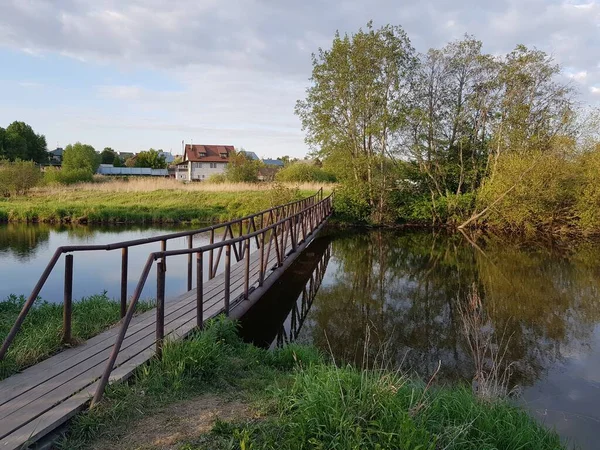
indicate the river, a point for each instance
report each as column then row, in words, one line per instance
column 404, row 295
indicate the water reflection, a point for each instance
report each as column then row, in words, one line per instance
column 404, row 291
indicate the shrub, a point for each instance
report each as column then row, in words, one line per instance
column 543, row 193
column 350, row 203
column 18, row 177
column 58, row 176
column 301, row 172
column 217, row 178
column 587, row 206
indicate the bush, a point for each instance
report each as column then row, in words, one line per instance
column 350, row 203
column 587, row 206
column 217, row 178
column 18, row 177
column 58, row 176
column 302, row 172
column 543, row 194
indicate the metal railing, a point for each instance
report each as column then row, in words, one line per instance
column 252, row 223
column 294, row 229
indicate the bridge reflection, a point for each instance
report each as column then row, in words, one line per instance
column 276, row 320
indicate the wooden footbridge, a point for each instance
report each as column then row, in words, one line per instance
column 38, row 400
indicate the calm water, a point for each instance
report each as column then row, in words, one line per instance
column 402, row 290
column 405, row 289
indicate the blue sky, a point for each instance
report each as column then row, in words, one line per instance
column 150, row 73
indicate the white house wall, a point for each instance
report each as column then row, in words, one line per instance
column 201, row 171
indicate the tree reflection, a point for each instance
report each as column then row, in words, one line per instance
column 21, row 240
column 404, row 288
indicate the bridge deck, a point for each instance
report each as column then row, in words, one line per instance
column 39, row 399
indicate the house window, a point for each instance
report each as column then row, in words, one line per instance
column 213, row 165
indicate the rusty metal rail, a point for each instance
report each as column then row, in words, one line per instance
column 260, row 226
column 276, row 234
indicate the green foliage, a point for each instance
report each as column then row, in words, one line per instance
column 241, row 169
column 351, row 204
column 151, row 158
column 41, row 332
column 108, row 156
column 80, row 156
column 304, row 172
column 18, row 177
column 542, row 193
column 587, row 192
column 54, row 175
column 217, row 178
column 19, row 141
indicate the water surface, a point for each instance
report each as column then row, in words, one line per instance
column 402, row 292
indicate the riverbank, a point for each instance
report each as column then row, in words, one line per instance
column 147, row 201
column 40, row 334
column 215, row 392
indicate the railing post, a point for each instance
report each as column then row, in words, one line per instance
column 160, row 307
column 163, row 248
column 199, row 291
column 247, row 268
column 124, row 264
column 227, row 277
column 240, row 244
column 68, row 300
column 211, row 273
column 261, row 276
column 293, row 232
column 189, row 269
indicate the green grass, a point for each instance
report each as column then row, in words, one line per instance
column 160, row 206
column 40, row 334
column 305, row 402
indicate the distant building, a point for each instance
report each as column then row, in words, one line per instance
column 250, row 155
column 169, row 157
column 109, row 169
column 56, row 157
column 267, row 173
column 273, row 162
column 199, row 162
column 125, row 155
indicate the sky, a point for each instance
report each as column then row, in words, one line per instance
column 135, row 74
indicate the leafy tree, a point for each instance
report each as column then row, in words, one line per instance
column 108, row 156
column 354, row 107
column 304, row 172
column 17, row 177
column 19, row 141
column 80, row 156
column 241, row 169
column 151, row 158
column 118, row 162
column 131, row 162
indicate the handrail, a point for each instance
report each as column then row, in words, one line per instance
column 124, row 246
column 305, row 221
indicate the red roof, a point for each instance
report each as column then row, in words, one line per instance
column 207, row 153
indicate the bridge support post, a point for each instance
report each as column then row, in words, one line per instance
column 227, row 277
column 160, row 307
column 124, row 263
column 247, row 268
column 68, row 300
column 189, row 268
column 199, row 291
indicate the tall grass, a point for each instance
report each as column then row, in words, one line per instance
column 306, row 402
column 147, row 201
column 147, row 184
column 40, row 334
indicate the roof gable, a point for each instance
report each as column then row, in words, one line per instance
column 207, row 153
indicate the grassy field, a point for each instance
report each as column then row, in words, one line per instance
column 41, row 332
column 147, row 201
column 215, row 392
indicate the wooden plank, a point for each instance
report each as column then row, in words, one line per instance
column 181, row 326
column 98, row 363
column 15, row 385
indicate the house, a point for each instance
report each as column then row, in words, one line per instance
column 250, row 155
column 273, row 163
column 267, row 173
column 56, row 156
column 199, row 162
